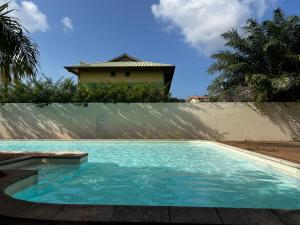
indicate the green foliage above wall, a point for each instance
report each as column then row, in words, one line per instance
column 46, row 91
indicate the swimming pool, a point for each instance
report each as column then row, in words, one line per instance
column 158, row 174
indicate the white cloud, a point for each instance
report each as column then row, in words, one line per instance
column 201, row 22
column 29, row 15
column 67, row 24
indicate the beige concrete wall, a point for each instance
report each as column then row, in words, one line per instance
column 142, row 76
column 212, row 121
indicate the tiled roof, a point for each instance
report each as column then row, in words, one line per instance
column 121, row 64
column 123, row 60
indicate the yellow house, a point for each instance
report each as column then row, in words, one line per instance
column 124, row 68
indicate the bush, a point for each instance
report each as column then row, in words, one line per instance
column 45, row 91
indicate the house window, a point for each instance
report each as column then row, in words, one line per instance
column 127, row 74
column 113, row 74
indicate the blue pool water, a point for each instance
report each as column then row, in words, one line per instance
column 157, row 173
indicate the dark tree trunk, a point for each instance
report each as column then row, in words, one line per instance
column 5, row 77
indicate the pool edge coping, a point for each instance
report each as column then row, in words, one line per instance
column 65, row 157
column 290, row 168
column 16, row 209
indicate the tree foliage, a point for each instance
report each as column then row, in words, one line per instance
column 45, row 91
column 18, row 53
column 260, row 64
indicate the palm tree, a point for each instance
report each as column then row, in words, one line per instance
column 18, row 53
column 262, row 63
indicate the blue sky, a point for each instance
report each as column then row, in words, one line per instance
column 180, row 32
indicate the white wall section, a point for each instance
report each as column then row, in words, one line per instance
column 208, row 121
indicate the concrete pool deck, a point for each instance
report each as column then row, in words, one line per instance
column 15, row 211
column 289, row 151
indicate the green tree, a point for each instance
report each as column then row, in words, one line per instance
column 262, row 63
column 18, row 53
column 44, row 91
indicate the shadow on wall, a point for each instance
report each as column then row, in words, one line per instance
column 28, row 121
column 210, row 121
column 107, row 121
column 285, row 115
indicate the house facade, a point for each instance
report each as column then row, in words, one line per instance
column 124, row 68
column 197, row 99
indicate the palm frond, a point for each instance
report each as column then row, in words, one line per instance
column 257, row 59
column 16, row 49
